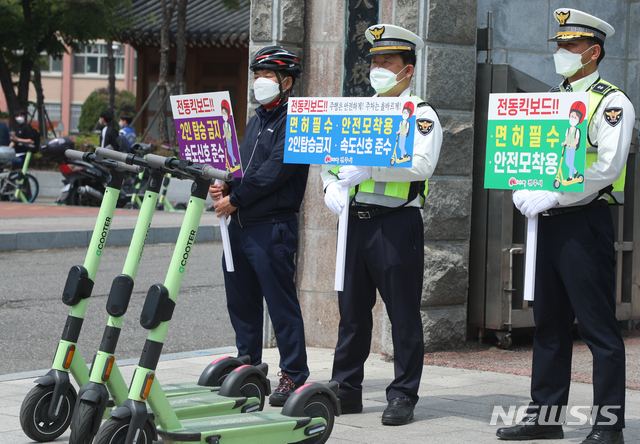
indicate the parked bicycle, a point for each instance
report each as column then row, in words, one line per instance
column 16, row 185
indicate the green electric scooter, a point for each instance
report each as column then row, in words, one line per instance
column 308, row 414
column 47, row 409
column 93, row 398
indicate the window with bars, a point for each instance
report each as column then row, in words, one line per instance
column 92, row 59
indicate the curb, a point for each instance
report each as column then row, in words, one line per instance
column 51, row 240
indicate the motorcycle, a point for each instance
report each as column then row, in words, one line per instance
column 84, row 182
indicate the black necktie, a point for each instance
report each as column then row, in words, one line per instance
column 567, row 86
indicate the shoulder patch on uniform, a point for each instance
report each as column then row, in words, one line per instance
column 555, row 89
column 613, row 116
column 425, row 126
column 600, row 88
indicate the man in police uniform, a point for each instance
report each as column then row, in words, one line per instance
column 385, row 250
column 575, row 269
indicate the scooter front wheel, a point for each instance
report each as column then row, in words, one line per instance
column 34, row 418
column 114, row 431
column 82, row 423
column 319, row 406
column 556, row 184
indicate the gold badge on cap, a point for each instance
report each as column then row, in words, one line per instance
column 377, row 32
column 562, row 17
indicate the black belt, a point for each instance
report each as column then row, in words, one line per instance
column 371, row 212
column 564, row 210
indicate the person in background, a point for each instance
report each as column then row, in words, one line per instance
column 109, row 135
column 24, row 135
column 126, row 132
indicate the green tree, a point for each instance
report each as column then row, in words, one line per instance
column 30, row 27
column 125, row 101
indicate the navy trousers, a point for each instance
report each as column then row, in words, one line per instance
column 263, row 258
column 384, row 253
column 575, row 279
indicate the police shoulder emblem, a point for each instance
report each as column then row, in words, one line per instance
column 377, row 33
column 613, row 116
column 425, row 126
column 562, row 17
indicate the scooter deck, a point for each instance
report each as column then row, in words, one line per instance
column 198, row 405
column 243, row 423
column 184, row 388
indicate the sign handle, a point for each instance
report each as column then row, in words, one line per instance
column 226, row 244
column 530, row 258
column 341, row 252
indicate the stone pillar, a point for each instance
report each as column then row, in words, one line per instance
column 445, row 77
column 323, row 76
column 449, row 86
column 279, row 23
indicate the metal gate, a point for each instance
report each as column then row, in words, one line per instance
column 496, row 265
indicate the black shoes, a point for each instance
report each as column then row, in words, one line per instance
column 604, row 437
column 398, row 412
column 350, row 406
column 529, row 428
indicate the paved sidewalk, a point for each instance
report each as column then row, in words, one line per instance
column 456, row 405
column 49, row 226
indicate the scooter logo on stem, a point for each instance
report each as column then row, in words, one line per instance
column 513, row 181
column 187, row 251
column 103, row 236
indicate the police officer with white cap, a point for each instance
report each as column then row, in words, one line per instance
column 385, row 248
column 575, row 268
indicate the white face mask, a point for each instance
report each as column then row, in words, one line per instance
column 382, row 80
column 568, row 63
column 120, row 124
column 19, row 120
column 573, row 122
column 265, row 90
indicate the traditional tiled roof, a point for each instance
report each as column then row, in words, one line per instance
column 209, row 24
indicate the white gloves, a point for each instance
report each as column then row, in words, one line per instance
column 354, row 174
column 332, row 198
column 537, row 202
column 519, row 196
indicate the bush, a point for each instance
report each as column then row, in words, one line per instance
column 125, row 101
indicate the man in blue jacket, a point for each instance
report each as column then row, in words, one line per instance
column 264, row 228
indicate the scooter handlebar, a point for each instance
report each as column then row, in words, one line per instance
column 73, row 154
column 121, row 166
column 106, row 161
column 111, row 154
column 194, row 169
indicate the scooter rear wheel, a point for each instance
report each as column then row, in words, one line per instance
column 114, row 431
column 253, row 387
column 82, row 423
column 33, row 413
column 319, row 406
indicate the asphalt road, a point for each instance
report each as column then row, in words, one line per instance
column 32, row 314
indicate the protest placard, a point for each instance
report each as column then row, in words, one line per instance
column 206, row 131
column 537, row 141
column 367, row 131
